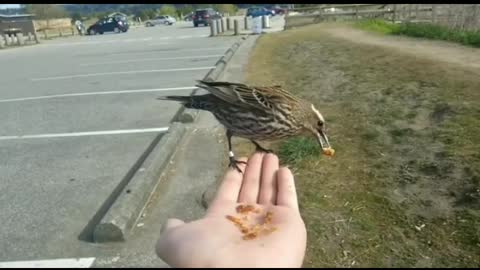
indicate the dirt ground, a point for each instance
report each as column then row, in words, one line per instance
column 403, row 115
column 435, row 50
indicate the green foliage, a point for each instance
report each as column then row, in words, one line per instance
column 422, row 30
column 226, row 8
column 431, row 31
column 46, row 11
column 168, row 10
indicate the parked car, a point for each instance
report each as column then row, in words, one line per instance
column 111, row 24
column 204, row 16
column 279, row 11
column 259, row 11
column 163, row 19
column 270, row 12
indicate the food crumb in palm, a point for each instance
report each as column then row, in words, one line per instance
column 254, row 230
column 243, row 209
column 250, row 236
column 268, row 217
column 270, row 230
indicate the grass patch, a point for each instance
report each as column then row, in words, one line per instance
column 422, row 30
column 379, row 26
column 294, row 150
column 438, row 32
column 401, row 190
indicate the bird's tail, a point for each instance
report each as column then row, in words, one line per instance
column 192, row 102
column 182, row 99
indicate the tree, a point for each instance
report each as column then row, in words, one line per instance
column 186, row 9
column 102, row 15
column 168, row 10
column 142, row 14
column 46, row 11
column 76, row 16
column 150, row 13
column 227, row 8
column 198, row 6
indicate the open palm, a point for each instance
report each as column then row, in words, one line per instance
column 214, row 241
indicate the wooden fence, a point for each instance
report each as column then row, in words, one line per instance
column 52, row 28
column 463, row 17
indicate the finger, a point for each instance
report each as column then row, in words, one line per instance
column 287, row 194
column 268, row 182
column 172, row 223
column 251, row 179
column 230, row 187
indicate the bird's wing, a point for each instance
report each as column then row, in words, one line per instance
column 249, row 96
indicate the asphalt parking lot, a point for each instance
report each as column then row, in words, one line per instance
column 77, row 113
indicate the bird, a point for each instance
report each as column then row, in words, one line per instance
column 257, row 113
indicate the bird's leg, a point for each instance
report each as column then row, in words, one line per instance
column 231, row 156
column 260, row 148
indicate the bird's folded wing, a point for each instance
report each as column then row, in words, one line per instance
column 249, row 96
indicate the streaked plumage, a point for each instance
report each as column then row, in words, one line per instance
column 257, row 112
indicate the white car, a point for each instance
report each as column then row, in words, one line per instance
column 163, row 19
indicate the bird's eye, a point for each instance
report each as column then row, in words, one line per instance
column 320, row 123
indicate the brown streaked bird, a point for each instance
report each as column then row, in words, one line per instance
column 257, row 113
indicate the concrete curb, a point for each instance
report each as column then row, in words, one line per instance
column 121, row 216
column 119, row 219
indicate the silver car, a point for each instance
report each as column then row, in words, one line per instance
column 163, row 19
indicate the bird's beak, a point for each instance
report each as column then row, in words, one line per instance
column 323, row 139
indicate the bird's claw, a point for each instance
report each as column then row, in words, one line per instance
column 234, row 164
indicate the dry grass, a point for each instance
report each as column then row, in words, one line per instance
column 403, row 189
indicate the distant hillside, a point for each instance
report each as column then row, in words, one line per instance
column 96, row 8
column 124, row 8
column 130, row 9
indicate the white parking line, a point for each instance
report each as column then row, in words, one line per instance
column 204, row 49
column 57, row 263
column 175, row 51
column 151, row 59
column 98, row 93
column 87, row 133
column 118, row 73
column 123, row 40
column 158, row 43
column 83, row 43
column 184, row 37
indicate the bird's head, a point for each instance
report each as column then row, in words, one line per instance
column 316, row 124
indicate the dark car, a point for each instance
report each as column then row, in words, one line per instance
column 110, row 24
column 279, row 11
column 276, row 9
column 204, row 16
column 259, row 11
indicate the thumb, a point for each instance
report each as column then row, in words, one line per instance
column 171, row 223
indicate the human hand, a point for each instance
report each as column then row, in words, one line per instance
column 214, row 241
